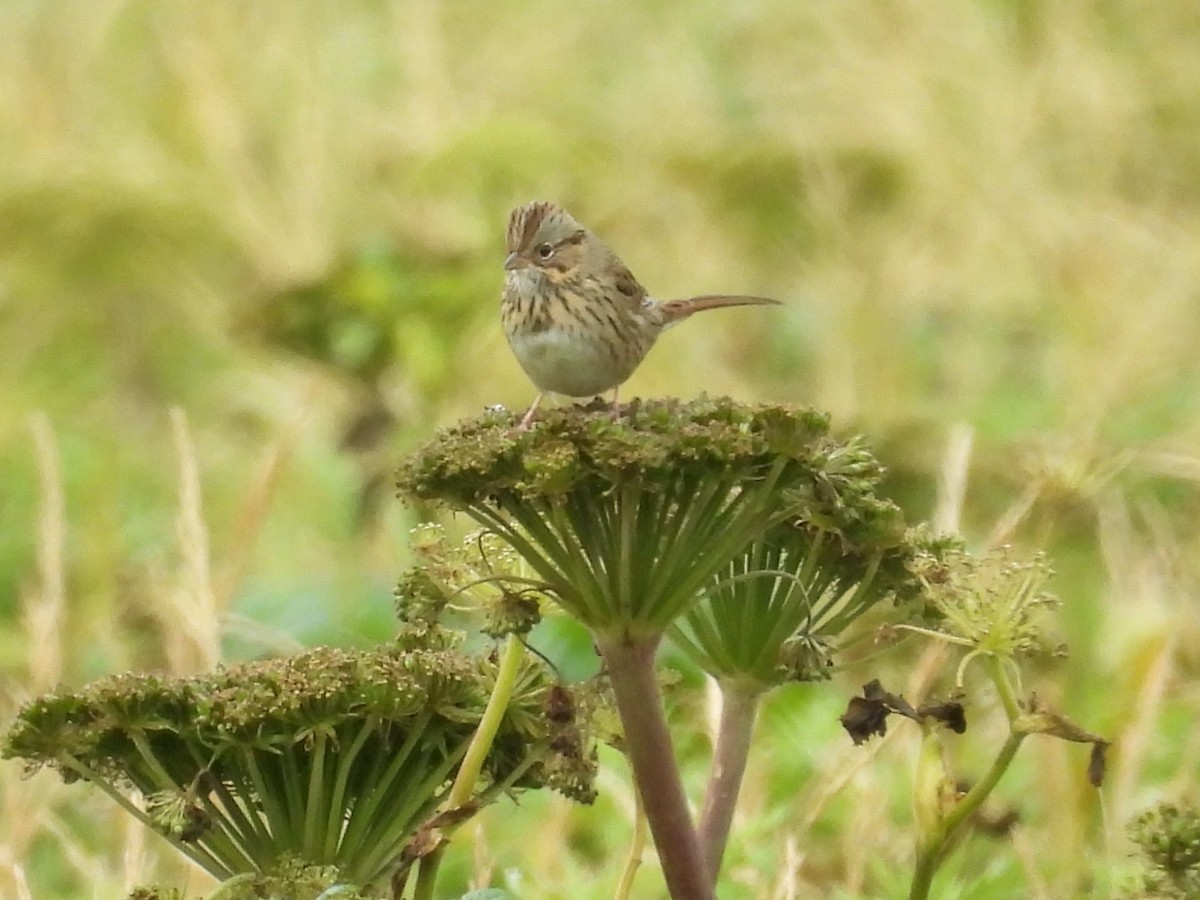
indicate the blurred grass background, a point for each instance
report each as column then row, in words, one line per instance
column 250, row 252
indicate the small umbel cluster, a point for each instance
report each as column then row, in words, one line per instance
column 1168, row 842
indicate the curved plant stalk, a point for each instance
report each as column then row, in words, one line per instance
column 463, row 790
column 989, row 607
column 941, row 824
column 637, row 845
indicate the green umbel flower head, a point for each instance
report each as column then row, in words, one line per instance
column 625, row 520
column 330, row 758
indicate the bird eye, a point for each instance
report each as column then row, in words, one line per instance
column 544, row 251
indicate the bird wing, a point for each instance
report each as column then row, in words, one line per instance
column 630, row 294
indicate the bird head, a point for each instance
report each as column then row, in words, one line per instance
column 545, row 241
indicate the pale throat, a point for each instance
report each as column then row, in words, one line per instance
column 525, row 282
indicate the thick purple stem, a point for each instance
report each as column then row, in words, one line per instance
column 634, row 681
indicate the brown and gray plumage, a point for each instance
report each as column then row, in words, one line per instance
column 574, row 315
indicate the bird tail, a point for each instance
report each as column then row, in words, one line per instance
column 677, row 310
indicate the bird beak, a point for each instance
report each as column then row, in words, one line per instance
column 514, row 261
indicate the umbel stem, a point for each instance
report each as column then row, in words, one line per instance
column 634, row 681
column 739, row 707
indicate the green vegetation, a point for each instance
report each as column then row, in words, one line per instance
column 1168, row 841
column 249, row 261
column 628, row 520
column 333, row 757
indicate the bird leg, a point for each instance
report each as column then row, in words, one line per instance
column 528, row 419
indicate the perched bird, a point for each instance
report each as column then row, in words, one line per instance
column 576, row 318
